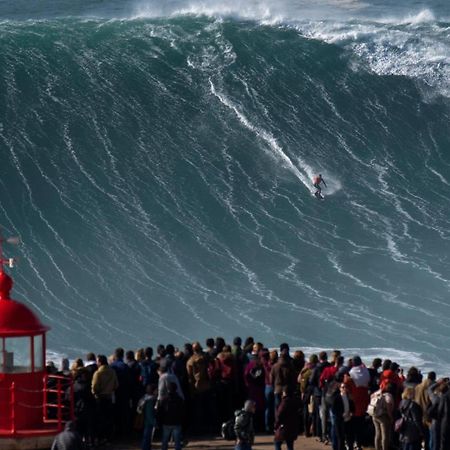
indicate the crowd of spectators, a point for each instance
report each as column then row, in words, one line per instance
column 177, row 393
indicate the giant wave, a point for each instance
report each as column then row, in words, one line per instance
column 158, row 170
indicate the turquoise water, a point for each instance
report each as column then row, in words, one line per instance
column 157, row 166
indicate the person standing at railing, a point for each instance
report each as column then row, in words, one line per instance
column 104, row 385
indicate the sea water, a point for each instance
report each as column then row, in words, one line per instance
column 156, row 160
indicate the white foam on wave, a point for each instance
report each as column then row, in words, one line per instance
column 267, row 11
column 412, row 45
column 423, row 16
column 415, row 46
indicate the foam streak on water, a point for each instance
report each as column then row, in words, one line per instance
column 158, row 170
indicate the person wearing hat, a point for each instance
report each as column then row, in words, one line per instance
column 165, row 379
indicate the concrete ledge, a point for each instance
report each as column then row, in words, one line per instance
column 28, row 443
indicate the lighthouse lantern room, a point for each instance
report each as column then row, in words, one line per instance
column 25, row 398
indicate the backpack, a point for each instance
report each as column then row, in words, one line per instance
column 228, row 432
column 331, row 393
column 377, row 406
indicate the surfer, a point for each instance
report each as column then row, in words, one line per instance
column 316, row 183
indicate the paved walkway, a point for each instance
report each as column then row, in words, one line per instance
column 261, row 443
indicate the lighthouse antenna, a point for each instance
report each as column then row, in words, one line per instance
column 10, row 240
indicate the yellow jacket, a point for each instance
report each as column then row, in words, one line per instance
column 104, row 382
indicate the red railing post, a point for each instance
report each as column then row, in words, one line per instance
column 59, row 405
column 44, row 400
column 13, row 408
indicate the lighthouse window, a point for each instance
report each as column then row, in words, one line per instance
column 16, row 356
column 38, row 354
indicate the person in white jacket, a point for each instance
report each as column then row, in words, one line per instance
column 359, row 373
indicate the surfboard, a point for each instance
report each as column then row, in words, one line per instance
column 319, row 196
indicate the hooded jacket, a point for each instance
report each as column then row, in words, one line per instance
column 69, row 439
column 243, row 426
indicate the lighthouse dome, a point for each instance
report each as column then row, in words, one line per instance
column 16, row 319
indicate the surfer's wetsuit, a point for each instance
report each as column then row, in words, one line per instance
column 316, row 183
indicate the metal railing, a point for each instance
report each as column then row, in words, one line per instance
column 57, row 404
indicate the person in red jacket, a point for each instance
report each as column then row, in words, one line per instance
column 390, row 376
column 326, row 378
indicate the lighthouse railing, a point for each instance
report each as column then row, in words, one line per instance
column 16, row 401
column 13, row 408
column 62, row 406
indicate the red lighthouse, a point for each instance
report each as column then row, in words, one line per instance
column 23, row 382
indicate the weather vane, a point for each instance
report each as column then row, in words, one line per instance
column 10, row 262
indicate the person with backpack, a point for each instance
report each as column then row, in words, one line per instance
column 381, row 409
column 243, row 426
column 306, row 391
column 411, row 432
column 326, row 378
column 170, row 413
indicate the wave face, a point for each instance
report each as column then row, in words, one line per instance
column 158, row 171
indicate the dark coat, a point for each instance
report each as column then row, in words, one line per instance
column 69, row 439
column 288, row 417
column 412, row 416
column 84, row 401
column 314, row 380
column 443, row 416
column 283, row 375
column 171, row 410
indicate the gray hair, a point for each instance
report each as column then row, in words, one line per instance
column 248, row 405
